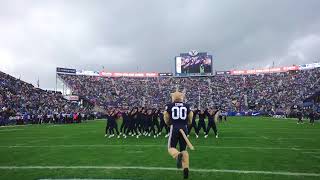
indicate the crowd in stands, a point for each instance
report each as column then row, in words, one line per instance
column 269, row 93
column 22, row 103
column 273, row 93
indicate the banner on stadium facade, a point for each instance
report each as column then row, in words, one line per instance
column 165, row 74
column 118, row 74
column 309, row 66
column 66, row 70
column 223, row 72
column 71, row 98
column 87, row 73
column 263, row 71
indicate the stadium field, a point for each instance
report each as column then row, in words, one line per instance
column 248, row 148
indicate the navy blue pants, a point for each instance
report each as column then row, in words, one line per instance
column 163, row 125
column 131, row 128
column 113, row 126
column 201, row 125
column 123, row 126
column 212, row 125
column 193, row 125
column 176, row 137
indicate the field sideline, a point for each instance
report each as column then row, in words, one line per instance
column 248, row 148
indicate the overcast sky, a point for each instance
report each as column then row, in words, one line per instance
column 126, row 35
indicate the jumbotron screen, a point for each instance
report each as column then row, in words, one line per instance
column 193, row 64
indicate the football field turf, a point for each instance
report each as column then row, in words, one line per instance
column 248, row 148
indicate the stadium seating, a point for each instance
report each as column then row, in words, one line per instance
column 276, row 92
column 31, row 103
column 266, row 93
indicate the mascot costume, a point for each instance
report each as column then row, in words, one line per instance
column 178, row 116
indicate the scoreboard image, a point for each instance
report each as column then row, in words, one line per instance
column 193, row 64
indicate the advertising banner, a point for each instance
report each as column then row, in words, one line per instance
column 72, row 98
column 309, row 66
column 66, row 70
column 223, row 72
column 124, row 74
column 87, row 73
column 263, row 71
column 165, row 74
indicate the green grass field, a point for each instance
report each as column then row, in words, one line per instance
column 248, row 148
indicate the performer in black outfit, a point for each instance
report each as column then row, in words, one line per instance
column 194, row 124
column 212, row 115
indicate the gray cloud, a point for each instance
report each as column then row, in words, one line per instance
column 37, row 36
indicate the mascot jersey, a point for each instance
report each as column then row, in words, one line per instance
column 178, row 112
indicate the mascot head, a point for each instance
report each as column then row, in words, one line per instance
column 177, row 96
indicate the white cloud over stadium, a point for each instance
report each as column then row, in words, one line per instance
column 38, row 36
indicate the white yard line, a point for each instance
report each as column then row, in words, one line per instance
column 310, row 152
column 44, row 124
column 45, row 138
column 294, row 138
column 284, row 173
column 8, row 130
column 318, row 157
column 266, row 128
column 13, row 126
column 134, row 152
column 255, row 128
column 230, row 137
column 153, row 145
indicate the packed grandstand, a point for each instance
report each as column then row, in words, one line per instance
column 252, row 92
